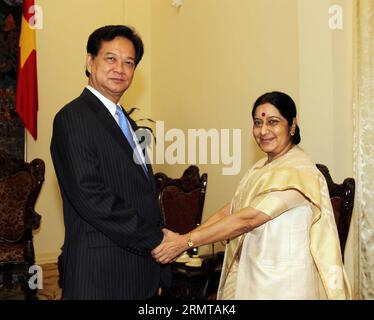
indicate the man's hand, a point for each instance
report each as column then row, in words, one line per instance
column 170, row 248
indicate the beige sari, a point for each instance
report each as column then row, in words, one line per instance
column 296, row 255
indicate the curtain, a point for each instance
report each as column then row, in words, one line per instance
column 362, row 228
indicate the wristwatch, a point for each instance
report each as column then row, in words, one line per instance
column 189, row 240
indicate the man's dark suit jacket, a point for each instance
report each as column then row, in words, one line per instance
column 111, row 214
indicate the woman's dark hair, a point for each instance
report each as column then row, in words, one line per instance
column 286, row 107
column 108, row 33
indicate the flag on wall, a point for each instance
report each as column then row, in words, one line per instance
column 27, row 88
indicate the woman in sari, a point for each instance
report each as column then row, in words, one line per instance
column 282, row 237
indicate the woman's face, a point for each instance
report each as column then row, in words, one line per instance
column 271, row 131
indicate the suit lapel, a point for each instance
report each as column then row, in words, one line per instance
column 109, row 123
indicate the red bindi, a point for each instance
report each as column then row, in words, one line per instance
column 263, row 114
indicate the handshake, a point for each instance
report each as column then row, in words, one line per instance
column 172, row 245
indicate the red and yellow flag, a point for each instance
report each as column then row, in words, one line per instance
column 27, row 87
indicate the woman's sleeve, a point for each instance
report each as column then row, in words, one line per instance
column 276, row 202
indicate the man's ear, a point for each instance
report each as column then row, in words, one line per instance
column 89, row 61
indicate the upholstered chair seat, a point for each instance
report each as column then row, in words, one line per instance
column 12, row 253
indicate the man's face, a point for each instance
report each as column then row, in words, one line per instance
column 112, row 70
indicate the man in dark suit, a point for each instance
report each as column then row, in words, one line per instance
column 111, row 214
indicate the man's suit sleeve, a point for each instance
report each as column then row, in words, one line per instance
column 77, row 168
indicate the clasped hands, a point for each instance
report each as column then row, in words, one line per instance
column 172, row 245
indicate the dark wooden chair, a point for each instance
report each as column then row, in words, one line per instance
column 20, row 184
column 182, row 200
column 189, row 181
column 342, row 200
